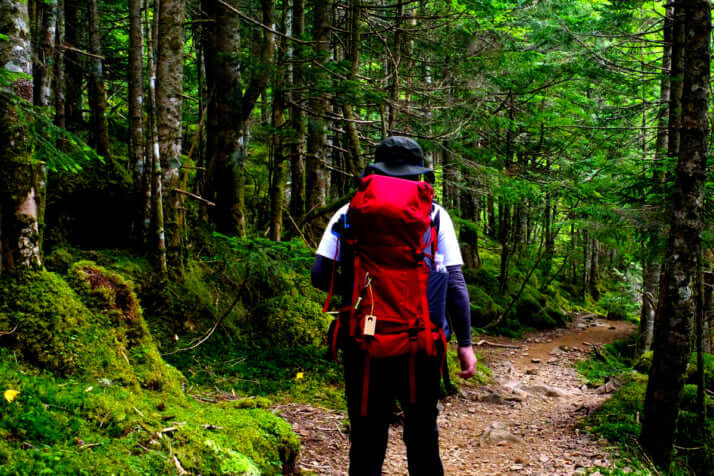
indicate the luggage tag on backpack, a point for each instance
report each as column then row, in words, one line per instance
column 370, row 325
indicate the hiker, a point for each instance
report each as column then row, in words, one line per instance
column 369, row 255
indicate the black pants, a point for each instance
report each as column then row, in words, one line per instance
column 388, row 383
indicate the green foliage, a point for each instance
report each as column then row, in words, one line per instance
column 537, row 307
column 618, row 419
column 610, row 360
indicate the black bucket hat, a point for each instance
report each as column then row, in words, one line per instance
column 398, row 156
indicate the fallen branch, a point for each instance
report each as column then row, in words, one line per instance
column 211, row 331
column 193, row 195
column 89, row 445
column 494, row 344
column 179, row 468
column 7, row 333
column 297, row 228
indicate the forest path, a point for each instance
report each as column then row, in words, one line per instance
column 523, row 422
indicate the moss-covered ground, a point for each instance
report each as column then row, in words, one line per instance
column 86, row 391
column 619, row 419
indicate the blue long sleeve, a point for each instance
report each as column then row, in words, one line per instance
column 458, row 307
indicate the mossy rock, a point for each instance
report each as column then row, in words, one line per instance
column 289, row 321
column 94, row 330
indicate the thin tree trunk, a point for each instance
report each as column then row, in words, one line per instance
column 505, row 249
column 354, row 165
column 316, row 176
column 594, row 283
column 22, row 182
column 469, row 234
column 297, row 118
column 45, row 31
column 142, row 194
column 169, row 99
column 152, row 147
column 491, row 214
column 279, row 169
column 97, row 90
column 651, row 262
column 73, row 63
column 394, row 63
column 58, row 64
column 676, row 308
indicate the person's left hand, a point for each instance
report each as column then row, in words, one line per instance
column 468, row 361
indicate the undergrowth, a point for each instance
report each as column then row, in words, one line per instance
column 86, row 390
column 546, row 301
column 619, row 419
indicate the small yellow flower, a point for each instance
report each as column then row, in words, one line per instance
column 10, row 394
column 299, row 376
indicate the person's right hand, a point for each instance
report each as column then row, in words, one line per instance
column 468, row 362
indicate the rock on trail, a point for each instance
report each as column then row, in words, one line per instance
column 523, row 422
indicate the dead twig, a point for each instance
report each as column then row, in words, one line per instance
column 193, row 195
column 177, row 463
column 6, row 333
column 494, row 344
column 211, row 331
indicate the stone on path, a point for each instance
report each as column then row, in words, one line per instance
column 496, row 432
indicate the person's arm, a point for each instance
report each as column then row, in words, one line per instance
column 457, row 304
column 321, row 274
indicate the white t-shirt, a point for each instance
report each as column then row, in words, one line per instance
column 448, row 245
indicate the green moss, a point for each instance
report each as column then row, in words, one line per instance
column 643, row 363
column 708, row 370
column 76, row 426
column 54, row 328
column 291, row 320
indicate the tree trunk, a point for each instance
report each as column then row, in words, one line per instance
column 297, row 118
column 279, row 168
column 58, row 65
column 73, row 62
column 505, row 249
column 354, row 165
column 469, row 232
column 152, row 147
column 676, row 307
column 97, row 90
column 142, row 190
column 651, row 261
column 393, row 67
column 43, row 54
column 316, row 176
column 22, row 182
column 229, row 110
column 595, row 270
column 169, row 99
column 491, row 217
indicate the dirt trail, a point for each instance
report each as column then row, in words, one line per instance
column 521, row 423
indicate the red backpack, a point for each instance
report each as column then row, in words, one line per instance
column 390, row 231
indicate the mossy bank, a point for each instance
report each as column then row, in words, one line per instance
column 86, row 390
